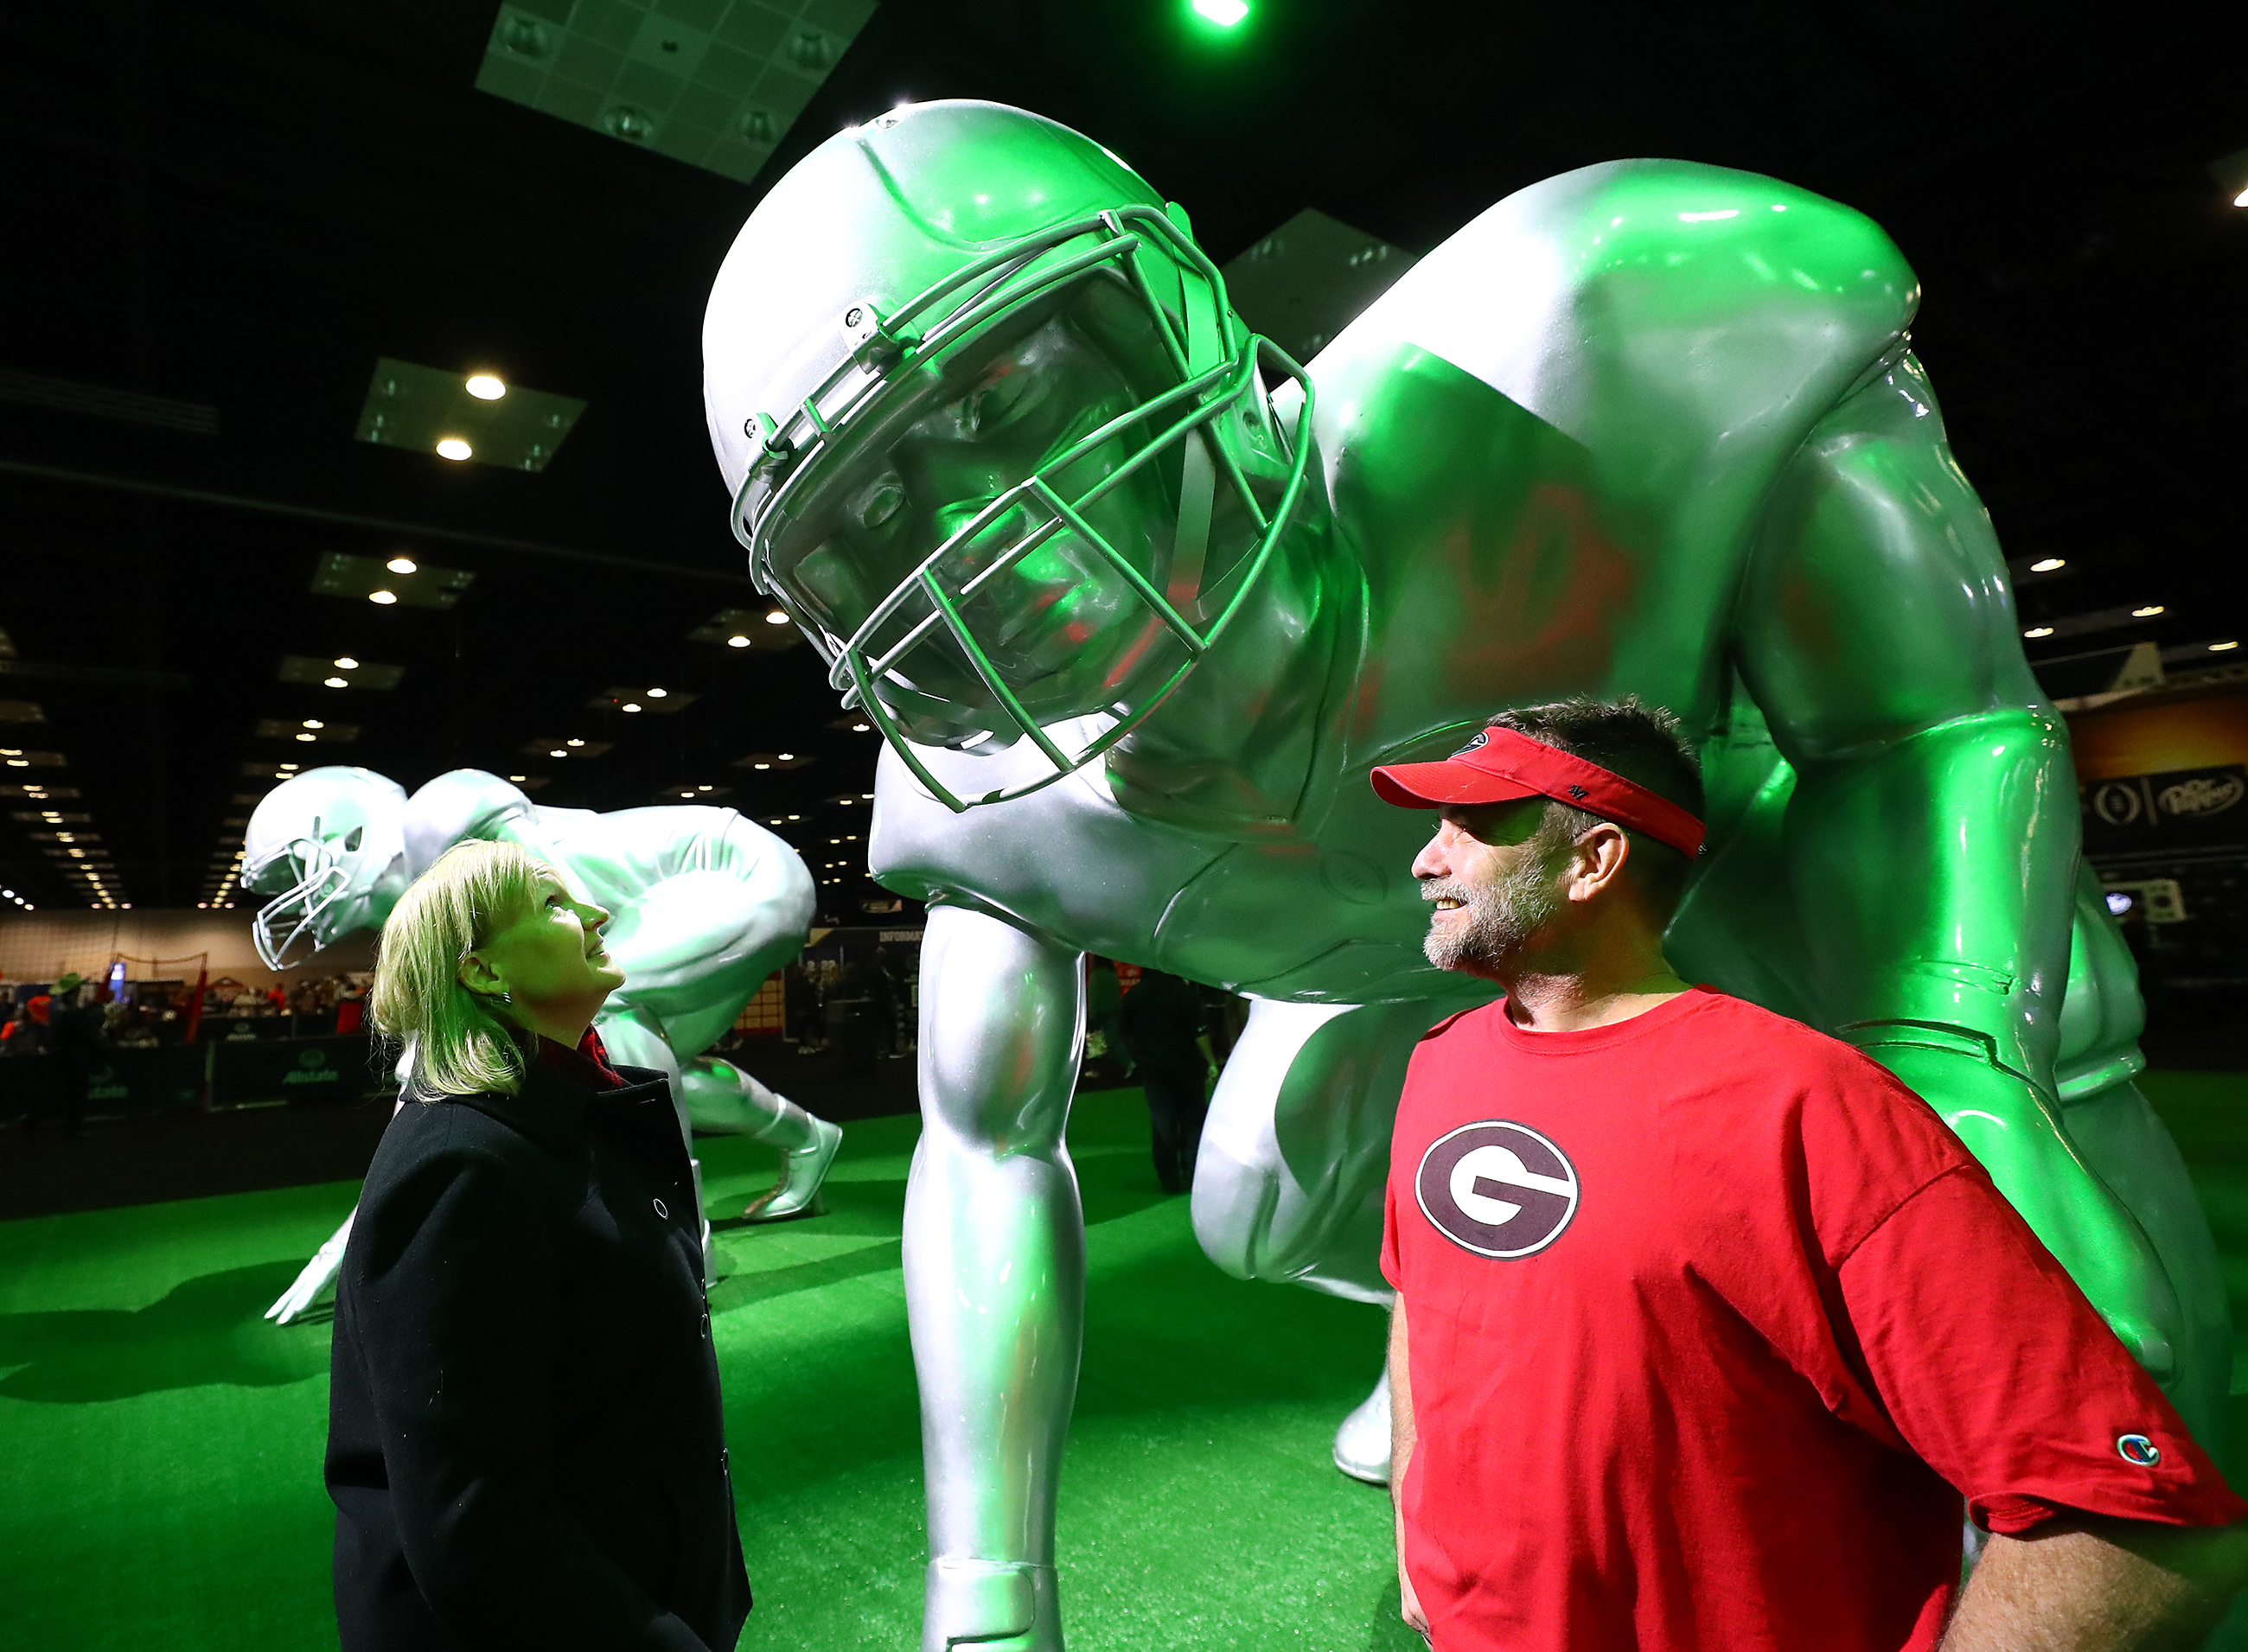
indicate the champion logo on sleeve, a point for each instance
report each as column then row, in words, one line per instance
column 1497, row 1188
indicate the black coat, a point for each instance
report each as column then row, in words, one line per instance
column 524, row 1441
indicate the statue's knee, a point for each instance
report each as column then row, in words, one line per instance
column 1232, row 1208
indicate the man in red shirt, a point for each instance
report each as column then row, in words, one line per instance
column 1705, row 1323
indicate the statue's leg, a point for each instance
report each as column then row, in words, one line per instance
column 722, row 1099
column 1288, row 1186
column 316, row 1283
column 994, row 1274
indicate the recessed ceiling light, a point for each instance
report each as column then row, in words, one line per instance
column 558, row 752
column 737, row 641
column 2147, row 612
column 25, row 762
column 2038, row 631
column 485, row 386
column 657, row 694
column 314, row 723
column 2047, row 564
column 288, row 765
column 334, row 682
column 866, row 797
column 454, row 448
column 382, row 599
column 518, row 778
column 2221, row 648
column 574, row 743
column 404, row 565
column 761, row 766
column 863, row 728
column 628, row 706
column 345, row 662
column 796, row 817
column 308, row 737
column 777, row 617
column 788, row 757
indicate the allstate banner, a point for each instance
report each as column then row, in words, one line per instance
column 294, row 1070
column 2185, row 805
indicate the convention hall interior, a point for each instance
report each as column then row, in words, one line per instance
column 352, row 418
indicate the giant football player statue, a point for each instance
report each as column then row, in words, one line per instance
column 705, row 905
column 1136, row 602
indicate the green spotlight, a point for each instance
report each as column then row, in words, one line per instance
column 1223, row 13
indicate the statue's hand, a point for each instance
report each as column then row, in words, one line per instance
column 2004, row 1123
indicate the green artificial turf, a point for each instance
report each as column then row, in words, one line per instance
column 159, row 1444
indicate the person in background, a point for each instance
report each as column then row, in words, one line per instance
column 1163, row 1032
column 1104, row 1010
column 79, row 1028
column 1706, row 1325
column 525, row 1443
column 351, row 1006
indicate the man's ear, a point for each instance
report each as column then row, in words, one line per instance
column 1597, row 860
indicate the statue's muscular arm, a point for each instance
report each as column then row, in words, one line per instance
column 1931, row 842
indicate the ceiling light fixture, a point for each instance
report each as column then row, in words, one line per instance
column 308, row 737
column 787, row 756
column 737, row 641
column 657, row 694
column 702, row 788
column 382, row 599
column 2038, row 631
column 1223, row 13
column 402, row 565
column 314, row 723
column 558, row 752
column 485, row 386
column 761, row 766
column 574, row 743
column 629, row 706
column 2222, row 648
column 289, row 765
column 777, row 617
column 333, row 682
column 2047, row 564
column 454, row 449
column 345, row 662
column 863, row 728
column 518, row 778
column 2148, row 612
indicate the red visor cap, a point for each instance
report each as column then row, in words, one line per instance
column 1500, row 765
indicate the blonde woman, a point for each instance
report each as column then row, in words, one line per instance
column 524, row 1441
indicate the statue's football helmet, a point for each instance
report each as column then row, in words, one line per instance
column 329, row 846
column 996, row 443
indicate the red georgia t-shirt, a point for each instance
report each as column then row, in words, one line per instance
column 1711, row 1324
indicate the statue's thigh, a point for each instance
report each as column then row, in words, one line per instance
column 1289, row 1182
column 2122, row 1140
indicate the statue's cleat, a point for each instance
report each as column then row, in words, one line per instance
column 797, row 1193
column 1362, row 1445
column 989, row 1606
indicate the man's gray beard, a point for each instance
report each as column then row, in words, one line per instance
column 1502, row 918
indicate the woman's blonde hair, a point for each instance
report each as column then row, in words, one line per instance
column 455, row 1043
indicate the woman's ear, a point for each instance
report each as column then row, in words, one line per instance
column 476, row 974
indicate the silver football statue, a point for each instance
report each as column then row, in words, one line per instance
column 1136, row 601
column 705, row 905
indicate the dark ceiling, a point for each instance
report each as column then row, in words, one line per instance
column 241, row 206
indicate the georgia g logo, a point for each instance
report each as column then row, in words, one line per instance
column 1497, row 1188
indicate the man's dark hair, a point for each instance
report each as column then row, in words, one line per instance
column 1643, row 744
